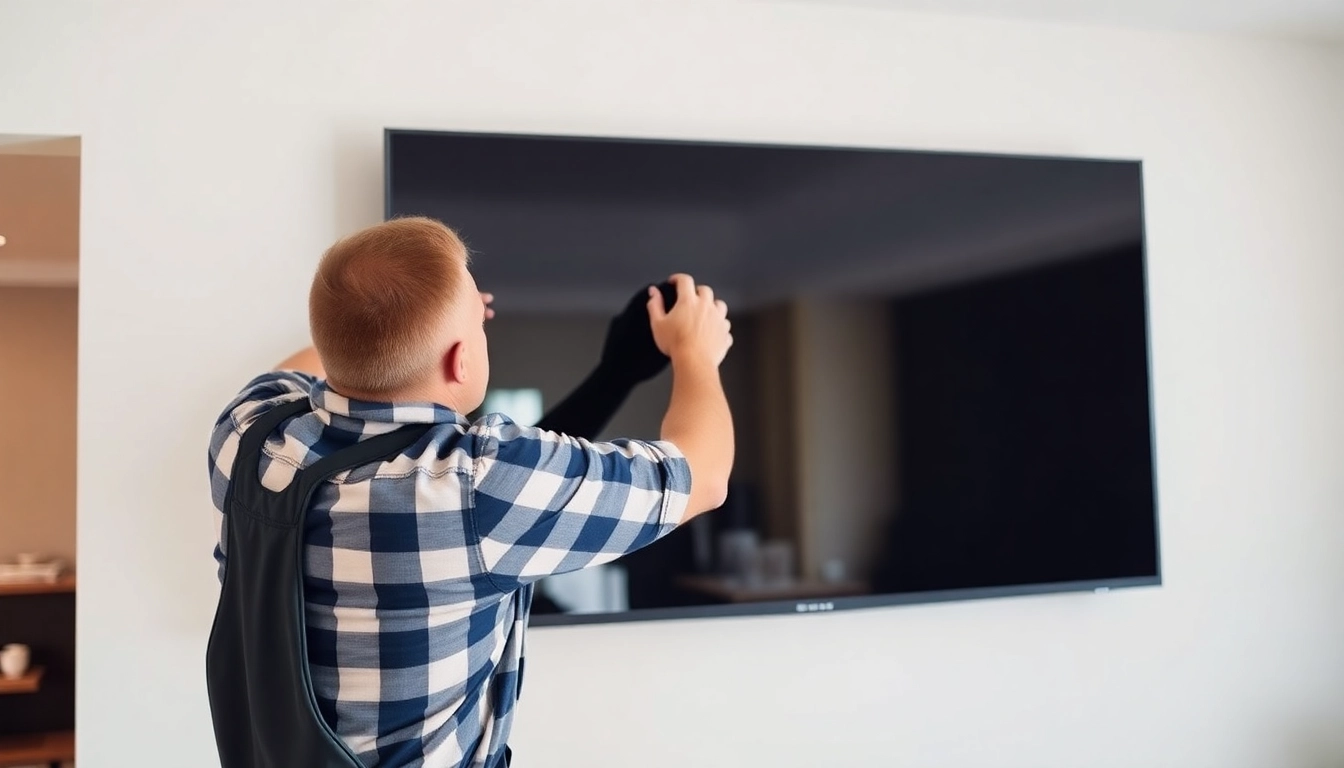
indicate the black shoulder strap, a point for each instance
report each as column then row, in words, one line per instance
column 246, row 480
column 245, row 464
column 262, row 703
column 379, row 448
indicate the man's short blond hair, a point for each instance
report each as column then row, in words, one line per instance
column 381, row 300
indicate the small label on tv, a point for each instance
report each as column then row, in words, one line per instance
column 812, row 607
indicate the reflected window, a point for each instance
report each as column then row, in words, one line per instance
column 521, row 405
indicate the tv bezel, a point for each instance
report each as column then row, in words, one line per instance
column 890, row 599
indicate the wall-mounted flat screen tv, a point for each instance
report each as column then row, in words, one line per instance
column 940, row 377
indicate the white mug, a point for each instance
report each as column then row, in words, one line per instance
column 14, row 660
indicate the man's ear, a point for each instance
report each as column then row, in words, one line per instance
column 455, row 363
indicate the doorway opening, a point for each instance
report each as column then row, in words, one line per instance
column 39, row 321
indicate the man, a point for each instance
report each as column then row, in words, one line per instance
column 417, row 568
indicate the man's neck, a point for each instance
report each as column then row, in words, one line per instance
column 416, row 394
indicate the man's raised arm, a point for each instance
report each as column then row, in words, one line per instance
column 696, row 335
column 304, row 361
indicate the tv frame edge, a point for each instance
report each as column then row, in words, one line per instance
column 864, row 602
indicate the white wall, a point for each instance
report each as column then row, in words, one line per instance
column 223, row 149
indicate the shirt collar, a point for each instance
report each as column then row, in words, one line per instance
column 371, row 418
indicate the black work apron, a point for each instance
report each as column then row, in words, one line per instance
column 261, row 694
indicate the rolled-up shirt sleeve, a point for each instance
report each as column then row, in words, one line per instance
column 546, row 503
column 263, row 391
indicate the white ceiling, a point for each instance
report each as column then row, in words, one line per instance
column 1315, row 19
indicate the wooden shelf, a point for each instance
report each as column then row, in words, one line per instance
column 38, row 274
column 65, row 583
column 29, row 683
column 30, row 748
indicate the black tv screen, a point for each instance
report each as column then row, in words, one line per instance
column 939, row 380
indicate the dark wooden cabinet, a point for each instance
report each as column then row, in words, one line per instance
column 37, row 726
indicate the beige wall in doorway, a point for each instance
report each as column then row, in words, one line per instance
column 38, row 330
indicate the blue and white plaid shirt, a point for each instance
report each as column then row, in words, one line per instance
column 418, row 571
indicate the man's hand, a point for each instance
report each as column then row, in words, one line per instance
column 696, row 329
column 487, row 299
column 696, row 334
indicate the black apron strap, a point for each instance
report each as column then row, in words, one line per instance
column 246, row 461
column 260, row 689
column 374, row 449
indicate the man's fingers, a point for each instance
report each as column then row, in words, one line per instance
column 705, row 293
column 657, row 310
column 685, row 286
column 722, row 306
